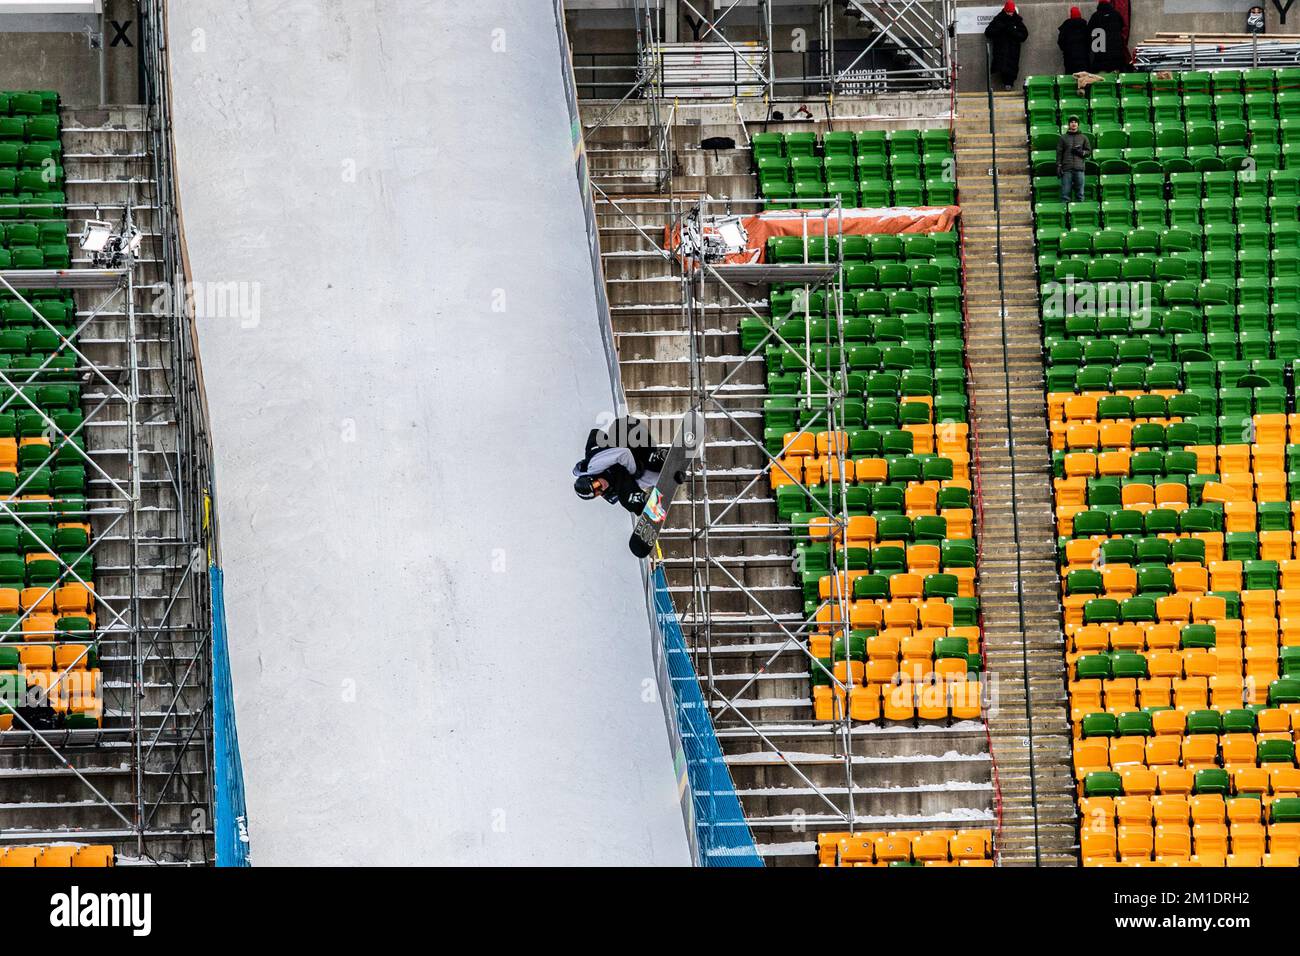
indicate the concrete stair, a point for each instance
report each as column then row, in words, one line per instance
column 795, row 776
column 1024, row 645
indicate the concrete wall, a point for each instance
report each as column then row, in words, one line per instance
column 1042, row 17
column 53, row 52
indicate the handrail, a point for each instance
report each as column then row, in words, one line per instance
column 1011, row 449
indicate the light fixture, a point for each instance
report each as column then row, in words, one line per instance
column 95, row 235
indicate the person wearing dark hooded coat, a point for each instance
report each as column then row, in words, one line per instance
column 1005, row 33
column 1074, row 39
column 1106, row 27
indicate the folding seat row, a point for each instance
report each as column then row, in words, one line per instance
column 866, row 168
column 857, row 330
column 1283, row 825
column 29, row 129
column 1153, row 638
column 932, row 642
column 879, row 675
column 875, row 142
column 23, row 156
column 36, row 257
column 895, row 656
column 1124, row 580
column 58, row 855
column 33, row 206
column 74, row 697
column 1141, row 780
column 32, row 179
column 853, row 194
column 955, row 580
column 1088, row 277
column 1209, row 844
column 1220, row 691
column 1112, row 85
column 913, row 499
column 46, row 626
column 955, row 524
column 894, row 585
column 880, row 249
column 1078, row 491
column 1193, row 185
column 903, row 701
column 906, row 847
column 1137, row 405
column 942, row 304
column 902, row 847
column 1267, row 724
column 29, row 103
column 1081, row 441
column 902, row 615
column 926, row 645
column 1195, row 752
column 950, row 556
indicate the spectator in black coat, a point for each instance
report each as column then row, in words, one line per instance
column 1005, row 33
column 1107, row 29
column 1074, row 39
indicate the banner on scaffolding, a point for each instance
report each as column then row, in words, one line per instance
column 742, row 240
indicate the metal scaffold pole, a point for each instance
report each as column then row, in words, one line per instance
column 718, row 632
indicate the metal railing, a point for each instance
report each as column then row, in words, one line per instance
column 910, row 46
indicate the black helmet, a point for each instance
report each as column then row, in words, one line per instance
column 582, row 487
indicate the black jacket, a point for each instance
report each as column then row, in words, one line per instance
column 1112, row 57
column 632, row 434
column 626, row 432
column 1074, row 38
column 1071, row 151
column 1005, row 33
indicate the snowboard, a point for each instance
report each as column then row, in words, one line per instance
column 689, row 438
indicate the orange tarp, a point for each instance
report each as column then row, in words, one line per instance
column 852, row 222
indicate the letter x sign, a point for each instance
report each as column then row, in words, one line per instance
column 119, row 32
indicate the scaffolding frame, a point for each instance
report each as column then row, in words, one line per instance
column 822, row 396
column 148, row 495
column 921, row 31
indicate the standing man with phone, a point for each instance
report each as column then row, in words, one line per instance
column 1072, row 151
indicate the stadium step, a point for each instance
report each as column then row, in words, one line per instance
column 791, row 771
column 1028, row 723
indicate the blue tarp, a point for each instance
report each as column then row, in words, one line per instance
column 231, row 826
column 722, row 836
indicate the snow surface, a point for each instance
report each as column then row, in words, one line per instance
column 440, row 654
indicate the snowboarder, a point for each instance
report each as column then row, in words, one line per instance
column 1107, row 28
column 1006, row 32
column 620, row 465
column 1074, row 39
